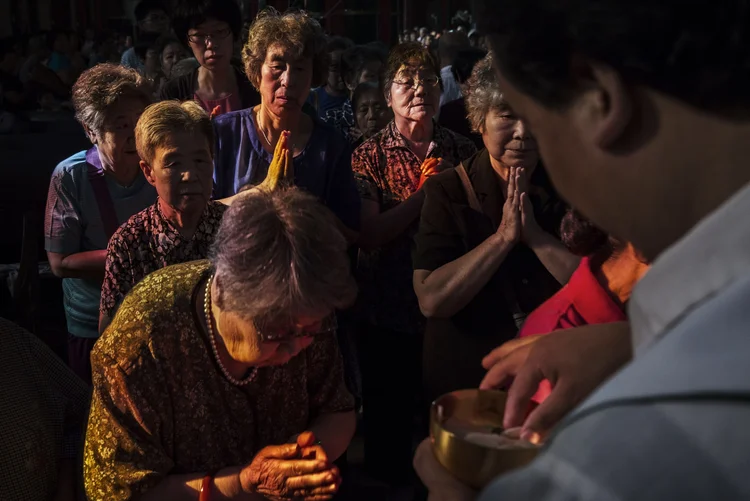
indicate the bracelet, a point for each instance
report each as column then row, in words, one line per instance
column 205, row 493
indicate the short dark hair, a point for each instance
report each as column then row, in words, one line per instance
column 404, row 54
column 450, row 43
column 164, row 41
column 465, row 61
column 338, row 43
column 354, row 60
column 143, row 8
column 581, row 236
column 189, row 14
column 694, row 51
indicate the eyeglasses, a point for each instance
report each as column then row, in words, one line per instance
column 429, row 82
column 203, row 38
column 270, row 332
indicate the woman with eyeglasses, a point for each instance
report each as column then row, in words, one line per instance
column 209, row 28
column 390, row 169
column 223, row 376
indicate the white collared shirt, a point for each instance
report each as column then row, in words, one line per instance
column 710, row 258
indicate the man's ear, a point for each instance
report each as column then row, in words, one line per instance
column 606, row 106
column 148, row 172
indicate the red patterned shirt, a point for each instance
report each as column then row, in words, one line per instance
column 150, row 242
column 387, row 172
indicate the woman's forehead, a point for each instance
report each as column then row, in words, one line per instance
column 281, row 52
column 412, row 67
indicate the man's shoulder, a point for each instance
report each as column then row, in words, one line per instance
column 646, row 451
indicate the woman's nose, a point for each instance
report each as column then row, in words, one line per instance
column 521, row 131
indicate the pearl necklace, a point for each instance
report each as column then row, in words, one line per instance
column 212, row 338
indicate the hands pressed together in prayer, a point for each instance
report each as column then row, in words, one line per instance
column 518, row 223
column 298, row 470
column 281, row 170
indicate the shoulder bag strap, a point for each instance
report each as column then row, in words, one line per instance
column 471, row 195
column 519, row 316
column 101, row 194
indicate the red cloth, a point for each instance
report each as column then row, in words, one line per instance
column 583, row 301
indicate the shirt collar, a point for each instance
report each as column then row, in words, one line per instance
column 712, row 256
column 393, row 139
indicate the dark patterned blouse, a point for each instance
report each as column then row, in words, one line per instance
column 162, row 406
column 387, row 172
column 150, row 242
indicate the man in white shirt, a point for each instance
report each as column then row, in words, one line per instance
column 647, row 133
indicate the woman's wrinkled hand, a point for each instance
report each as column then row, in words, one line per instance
column 292, row 471
column 510, row 225
column 281, row 171
column 429, row 168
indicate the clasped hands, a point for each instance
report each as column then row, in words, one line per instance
column 518, row 223
column 299, row 471
column 281, row 170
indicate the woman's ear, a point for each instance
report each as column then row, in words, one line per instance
column 91, row 134
column 148, row 172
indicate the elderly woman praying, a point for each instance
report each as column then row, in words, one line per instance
column 224, row 375
column 487, row 252
column 285, row 55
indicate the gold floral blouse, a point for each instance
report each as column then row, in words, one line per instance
column 161, row 405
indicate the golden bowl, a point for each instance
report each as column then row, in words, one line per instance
column 460, row 412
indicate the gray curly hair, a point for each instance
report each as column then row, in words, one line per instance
column 280, row 255
column 100, row 87
column 483, row 94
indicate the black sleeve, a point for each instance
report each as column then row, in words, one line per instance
column 440, row 238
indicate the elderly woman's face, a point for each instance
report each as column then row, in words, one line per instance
column 415, row 94
column 246, row 345
column 372, row 112
column 116, row 140
column 169, row 57
column 335, row 80
column 212, row 44
column 285, row 80
column 507, row 139
column 182, row 171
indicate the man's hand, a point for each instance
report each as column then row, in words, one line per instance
column 442, row 486
column 575, row 361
